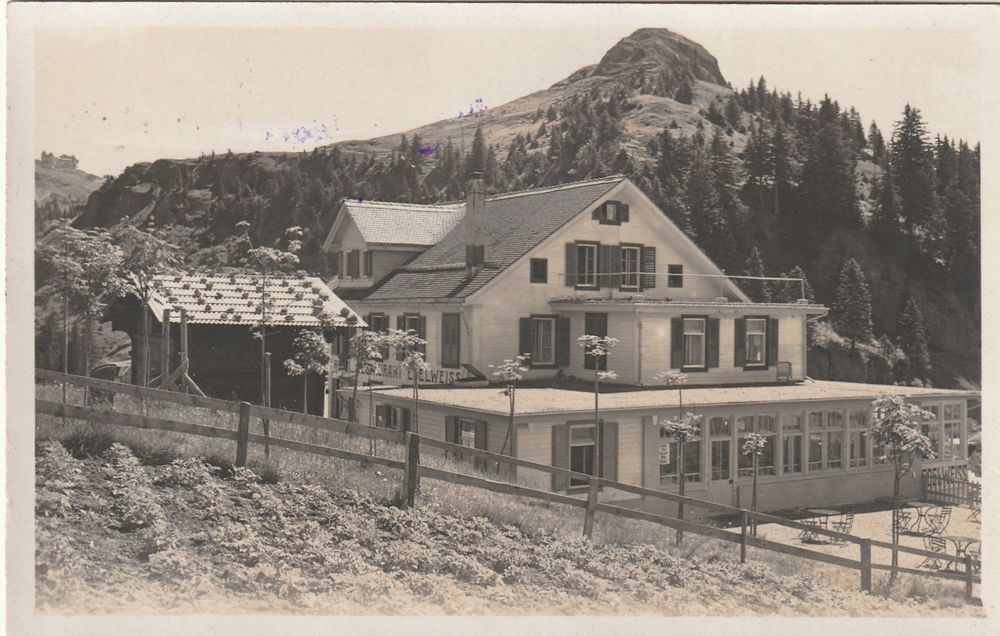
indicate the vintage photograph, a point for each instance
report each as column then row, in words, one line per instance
column 467, row 310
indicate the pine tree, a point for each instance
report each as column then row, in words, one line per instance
column 852, row 311
column 684, row 93
column 911, row 337
column 876, row 142
column 791, row 291
column 477, row 157
column 913, row 168
column 759, row 291
column 885, row 211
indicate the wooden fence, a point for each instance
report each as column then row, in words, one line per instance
column 949, row 490
column 413, row 472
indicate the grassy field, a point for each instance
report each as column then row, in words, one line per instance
column 128, row 520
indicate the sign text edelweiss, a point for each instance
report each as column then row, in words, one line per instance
column 432, row 375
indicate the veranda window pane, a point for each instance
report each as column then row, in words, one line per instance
column 793, row 454
column 816, row 451
column 720, row 459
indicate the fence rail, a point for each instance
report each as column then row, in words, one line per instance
column 413, row 471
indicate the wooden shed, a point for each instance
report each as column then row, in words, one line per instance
column 211, row 345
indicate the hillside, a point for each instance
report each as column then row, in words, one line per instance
column 60, row 187
column 805, row 183
column 116, row 535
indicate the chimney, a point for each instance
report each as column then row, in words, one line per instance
column 475, row 223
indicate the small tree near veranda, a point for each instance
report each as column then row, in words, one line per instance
column 753, row 446
column 509, row 373
column 311, row 356
column 598, row 348
column 895, row 428
column 409, row 346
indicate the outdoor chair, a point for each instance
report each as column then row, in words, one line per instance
column 808, row 535
column 937, row 522
column 845, row 524
column 933, row 544
column 976, row 552
column 905, row 520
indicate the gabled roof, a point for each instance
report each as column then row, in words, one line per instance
column 515, row 223
column 235, row 299
column 383, row 223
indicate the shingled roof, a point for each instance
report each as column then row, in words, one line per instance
column 403, row 223
column 515, row 223
column 235, row 299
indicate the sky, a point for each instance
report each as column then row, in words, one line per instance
column 153, row 84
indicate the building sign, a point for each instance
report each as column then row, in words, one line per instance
column 665, row 453
column 397, row 374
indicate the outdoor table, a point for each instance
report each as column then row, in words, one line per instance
column 962, row 544
column 921, row 507
column 824, row 514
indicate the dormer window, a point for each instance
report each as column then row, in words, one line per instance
column 611, row 213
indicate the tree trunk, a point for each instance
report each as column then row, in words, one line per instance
column 416, row 403
column 895, row 522
column 145, row 342
column 598, row 438
column 87, row 344
column 305, row 393
column 753, row 498
column 680, row 483
column 372, row 443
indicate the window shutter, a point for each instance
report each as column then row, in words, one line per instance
column 562, row 341
column 712, row 345
column 605, row 266
column 524, row 344
column 609, row 450
column 571, row 265
column 422, row 332
column 648, row 268
column 406, row 420
column 400, row 325
column 338, row 264
column 598, row 213
column 772, row 341
column 481, row 435
column 560, row 455
column 623, row 213
column 740, row 342
column 451, row 429
column 676, row 343
column 616, row 267
column 369, row 262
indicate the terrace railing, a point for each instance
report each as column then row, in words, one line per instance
column 413, row 471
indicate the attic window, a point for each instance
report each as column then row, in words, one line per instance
column 611, row 213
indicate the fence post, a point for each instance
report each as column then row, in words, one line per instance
column 588, row 518
column 410, row 475
column 743, row 536
column 243, row 435
column 866, row 565
column 968, row 578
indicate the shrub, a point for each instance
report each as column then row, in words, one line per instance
column 186, row 472
column 267, row 472
column 223, row 462
column 88, row 441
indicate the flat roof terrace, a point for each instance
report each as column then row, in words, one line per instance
column 535, row 401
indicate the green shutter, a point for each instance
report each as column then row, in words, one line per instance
column 560, row 455
column 524, row 341
column 772, row 341
column 648, row 268
column 571, row 264
column 740, row 342
column 712, row 345
column 609, row 450
column 562, row 341
column 676, row 343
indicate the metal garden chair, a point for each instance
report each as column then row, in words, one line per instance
column 845, row 524
column 933, row 544
column 937, row 522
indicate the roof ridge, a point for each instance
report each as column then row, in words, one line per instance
column 437, row 207
column 556, row 187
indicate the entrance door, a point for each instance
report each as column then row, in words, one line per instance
column 720, row 455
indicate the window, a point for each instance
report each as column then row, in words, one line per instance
column 610, row 212
column 952, row 432
column 857, row 445
column 418, row 325
column 539, row 270
column 379, row 323
column 826, row 441
column 543, row 341
column 756, row 341
column 719, row 430
column 630, row 266
column 586, row 263
column 932, row 429
column 675, row 275
column 694, row 342
column 451, row 334
column 394, row 417
column 353, row 263
column 765, row 425
column 670, row 455
column 582, row 452
column 791, row 431
column 467, row 433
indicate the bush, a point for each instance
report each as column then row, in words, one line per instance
column 268, row 472
column 88, row 441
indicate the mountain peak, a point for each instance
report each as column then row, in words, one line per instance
column 659, row 55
